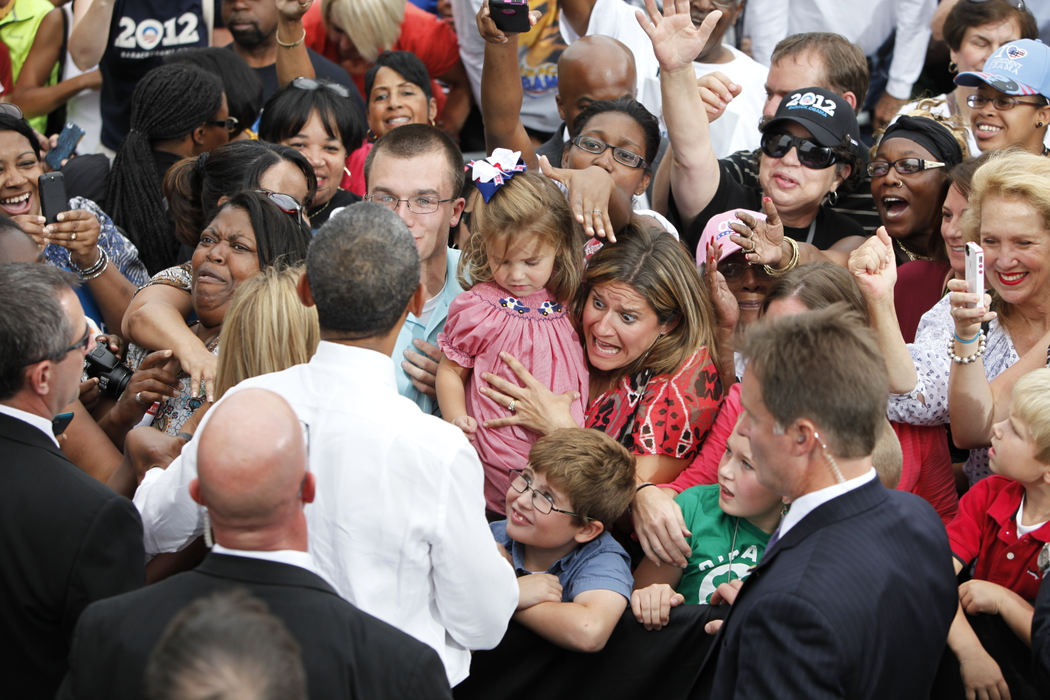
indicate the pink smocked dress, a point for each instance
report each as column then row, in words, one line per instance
column 485, row 321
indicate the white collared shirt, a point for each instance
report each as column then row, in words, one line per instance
column 804, row 505
column 398, row 524
column 39, row 422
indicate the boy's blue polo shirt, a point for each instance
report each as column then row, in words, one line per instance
column 601, row 564
column 413, row 329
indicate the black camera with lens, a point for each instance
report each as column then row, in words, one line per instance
column 113, row 375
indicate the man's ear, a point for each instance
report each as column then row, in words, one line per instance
column 589, row 531
column 851, row 99
column 561, row 109
column 302, row 288
column 308, row 489
column 37, row 377
column 195, row 491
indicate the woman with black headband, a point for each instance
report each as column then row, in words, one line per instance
column 909, row 178
column 909, row 181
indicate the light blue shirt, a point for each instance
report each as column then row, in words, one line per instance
column 414, row 328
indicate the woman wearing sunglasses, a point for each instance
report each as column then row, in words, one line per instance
column 1010, row 106
column 809, row 148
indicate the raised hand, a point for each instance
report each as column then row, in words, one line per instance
column 676, row 40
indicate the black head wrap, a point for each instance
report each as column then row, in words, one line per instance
column 931, row 135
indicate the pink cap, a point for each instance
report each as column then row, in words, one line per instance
column 718, row 231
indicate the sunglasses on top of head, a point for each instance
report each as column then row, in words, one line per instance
column 810, row 153
column 285, row 202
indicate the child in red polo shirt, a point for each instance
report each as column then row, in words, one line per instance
column 1001, row 527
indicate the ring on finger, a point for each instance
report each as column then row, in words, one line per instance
column 138, row 397
column 596, row 211
column 510, row 406
column 73, row 236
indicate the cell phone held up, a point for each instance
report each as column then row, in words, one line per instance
column 53, row 200
column 67, row 143
column 510, row 16
column 974, row 270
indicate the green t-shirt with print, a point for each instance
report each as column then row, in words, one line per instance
column 717, row 538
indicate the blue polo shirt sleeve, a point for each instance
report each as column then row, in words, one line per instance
column 601, row 564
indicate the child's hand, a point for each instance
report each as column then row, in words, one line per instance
column 467, row 424
column 979, row 596
column 538, row 588
column 652, row 605
column 981, row 676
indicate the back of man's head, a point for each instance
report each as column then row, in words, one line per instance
column 15, row 244
column 363, row 269
column 413, row 140
column 823, row 366
column 33, row 325
column 251, row 464
column 226, row 646
column 845, row 68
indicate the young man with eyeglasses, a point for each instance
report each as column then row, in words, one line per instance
column 71, row 540
column 417, row 171
column 574, row 578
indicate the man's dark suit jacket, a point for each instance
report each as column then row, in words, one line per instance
column 854, row 602
column 65, row 540
column 346, row 653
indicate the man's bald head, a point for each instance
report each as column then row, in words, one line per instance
column 593, row 68
column 251, row 464
column 16, row 245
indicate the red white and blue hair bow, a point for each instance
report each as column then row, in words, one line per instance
column 489, row 174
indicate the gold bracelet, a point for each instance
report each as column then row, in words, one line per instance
column 792, row 262
column 292, row 45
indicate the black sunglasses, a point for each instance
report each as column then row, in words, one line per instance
column 10, row 110
column 810, row 153
column 311, row 84
column 285, row 202
column 229, row 123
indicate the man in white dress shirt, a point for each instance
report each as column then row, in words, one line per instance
column 398, row 523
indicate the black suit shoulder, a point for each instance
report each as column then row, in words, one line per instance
column 67, row 541
column 346, row 653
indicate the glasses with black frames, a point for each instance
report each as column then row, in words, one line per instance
column 810, row 153
column 229, row 123
column 80, row 345
column 541, row 502
column 904, row 166
column 620, row 155
column 1001, row 102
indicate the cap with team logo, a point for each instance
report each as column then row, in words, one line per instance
column 1020, row 67
column 827, row 116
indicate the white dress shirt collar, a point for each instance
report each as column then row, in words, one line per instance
column 282, row 556
column 804, row 505
column 38, row 422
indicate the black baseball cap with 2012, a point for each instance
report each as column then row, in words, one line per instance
column 825, row 115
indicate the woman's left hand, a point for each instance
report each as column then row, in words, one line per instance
column 760, row 240
column 154, row 380
column 590, row 195
column 968, row 311
column 532, row 406
column 76, row 230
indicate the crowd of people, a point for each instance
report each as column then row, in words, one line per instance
column 619, row 348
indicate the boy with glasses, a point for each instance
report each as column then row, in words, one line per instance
column 574, row 578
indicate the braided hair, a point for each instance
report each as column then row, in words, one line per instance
column 168, row 103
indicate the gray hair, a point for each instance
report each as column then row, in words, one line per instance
column 33, row 326
column 363, row 268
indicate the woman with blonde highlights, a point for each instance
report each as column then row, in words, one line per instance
column 970, row 348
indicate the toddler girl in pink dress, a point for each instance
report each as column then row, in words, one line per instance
column 521, row 267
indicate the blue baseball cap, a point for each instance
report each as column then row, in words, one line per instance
column 1019, row 67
